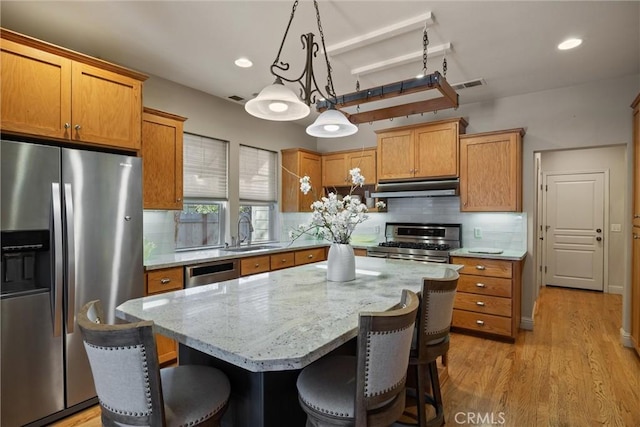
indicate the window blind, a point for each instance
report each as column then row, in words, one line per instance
column 258, row 175
column 205, row 167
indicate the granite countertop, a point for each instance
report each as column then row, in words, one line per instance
column 281, row 320
column 506, row 254
column 183, row 258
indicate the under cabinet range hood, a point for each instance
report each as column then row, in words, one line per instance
column 448, row 187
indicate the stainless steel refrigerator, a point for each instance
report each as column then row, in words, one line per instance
column 71, row 225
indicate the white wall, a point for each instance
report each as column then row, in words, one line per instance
column 588, row 115
column 217, row 118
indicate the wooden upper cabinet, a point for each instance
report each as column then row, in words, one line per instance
column 636, row 161
column 334, row 170
column 491, row 171
column 52, row 92
column 36, row 91
column 436, row 151
column 296, row 163
column 395, row 155
column 425, row 151
column 106, row 107
column 336, row 167
column 162, row 138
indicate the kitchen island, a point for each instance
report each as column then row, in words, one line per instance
column 263, row 329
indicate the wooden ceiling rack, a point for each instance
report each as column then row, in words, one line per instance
column 434, row 81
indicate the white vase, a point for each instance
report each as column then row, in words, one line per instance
column 341, row 263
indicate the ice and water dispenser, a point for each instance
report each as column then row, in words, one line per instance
column 26, row 262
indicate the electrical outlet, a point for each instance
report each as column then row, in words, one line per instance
column 377, row 229
column 477, row 232
column 616, row 227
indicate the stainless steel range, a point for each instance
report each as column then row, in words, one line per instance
column 418, row 242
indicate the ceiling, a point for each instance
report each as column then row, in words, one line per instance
column 511, row 45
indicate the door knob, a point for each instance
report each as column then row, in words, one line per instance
column 598, row 238
column 598, row 230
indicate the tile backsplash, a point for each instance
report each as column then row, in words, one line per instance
column 496, row 230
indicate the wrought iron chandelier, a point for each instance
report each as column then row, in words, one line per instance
column 278, row 102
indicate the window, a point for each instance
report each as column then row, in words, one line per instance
column 201, row 223
column 258, row 193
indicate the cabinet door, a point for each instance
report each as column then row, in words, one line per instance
column 334, row 170
column 436, row 151
column 395, row 155
column 310, row 165
column 162, row 162
column 491, row 173
column 635, row 289
column 106, row 107
column 366, row 161
column 636, row 167
column 36, row 91
column 157, row 282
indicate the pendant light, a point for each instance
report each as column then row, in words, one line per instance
column 277, row 102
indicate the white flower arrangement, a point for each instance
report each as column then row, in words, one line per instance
column 334, row 219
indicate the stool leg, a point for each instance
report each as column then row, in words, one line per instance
column 437, row 395
column 420, row 391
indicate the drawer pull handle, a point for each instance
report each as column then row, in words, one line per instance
column 284, row 260
column 257, row 265
column 481, row 285
column 480, row 303
column 480, row 267
column 310, row 256
column 165, row 280
column 479, row 322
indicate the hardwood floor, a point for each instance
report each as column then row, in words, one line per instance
column 571, row 371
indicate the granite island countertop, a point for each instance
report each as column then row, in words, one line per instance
column 281, row 320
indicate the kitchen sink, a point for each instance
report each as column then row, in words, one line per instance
column 251, row 248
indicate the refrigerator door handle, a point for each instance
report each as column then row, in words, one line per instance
column 71, row 258
column 57, row 259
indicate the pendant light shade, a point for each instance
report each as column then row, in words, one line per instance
column 277, row 102
column 331, row 124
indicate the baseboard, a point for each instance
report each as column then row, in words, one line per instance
column 619, row 290
column 526, row 323
column 625, row 338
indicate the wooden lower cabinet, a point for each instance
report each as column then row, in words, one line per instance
column 360, row 252
column 488, row 297
column 307, row 256
column 263, row 263
column 157, row 282
column 282, row 260
column 255, row 265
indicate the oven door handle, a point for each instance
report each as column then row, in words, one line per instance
column 419, row 258
column 377, row 255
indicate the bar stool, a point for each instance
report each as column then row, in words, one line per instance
column 432, row 341
column 367, row 389
column 131, row 388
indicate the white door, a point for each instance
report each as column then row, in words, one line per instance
column 574, row 222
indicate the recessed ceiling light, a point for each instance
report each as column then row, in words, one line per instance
column 243, row 63
column 569, row 44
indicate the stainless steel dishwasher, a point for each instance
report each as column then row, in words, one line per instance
column 211, row 272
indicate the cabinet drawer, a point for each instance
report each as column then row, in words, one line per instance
column 169, row 279
column 309, row 255
column 485, row 285
column 254, row 265
column 283, row 260
column 483, row 304
column 481, row 322
column 484, row 267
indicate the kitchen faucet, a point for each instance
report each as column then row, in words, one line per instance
column 238, row 239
